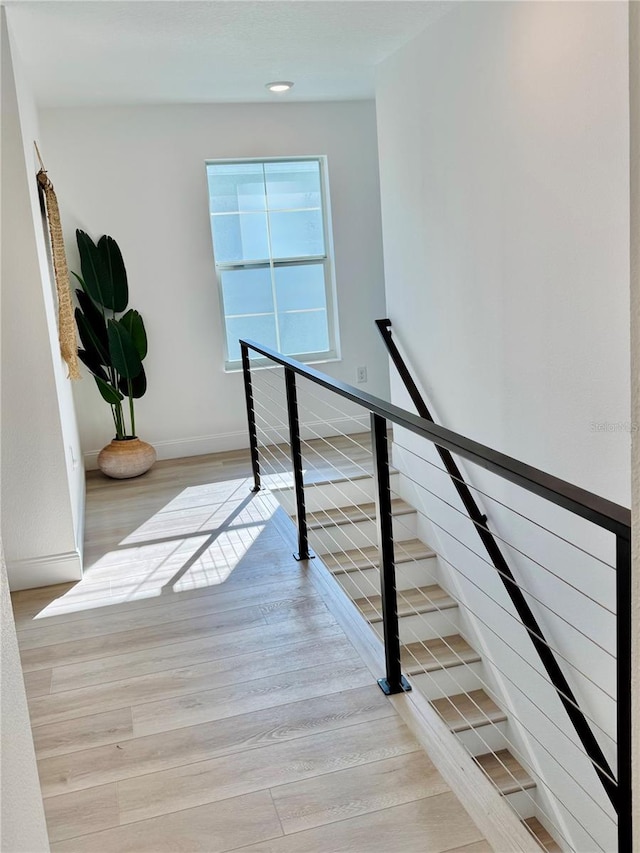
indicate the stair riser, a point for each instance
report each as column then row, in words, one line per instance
column 360, row 534
column 425, row 626
column 448, row 682
column 329, row 495
column 408, row 576
column 489, row 738
column 416, row 573
column 359, row 584
column 523, row 803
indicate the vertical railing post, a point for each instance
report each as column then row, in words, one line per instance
column 296, row 459
column 251, row 417
column 623, row 685
column 394, row 682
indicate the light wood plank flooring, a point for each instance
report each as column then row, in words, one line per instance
column 194, row 693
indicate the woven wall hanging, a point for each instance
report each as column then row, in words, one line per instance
column 66, row 321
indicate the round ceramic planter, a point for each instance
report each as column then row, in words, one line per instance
column 126, row 457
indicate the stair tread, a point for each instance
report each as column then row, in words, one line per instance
column 542, row 836
column 430, row 655
column 424, row 599
column 504, row 770
column 369, row 557
column 349, row 514
column 468, row 710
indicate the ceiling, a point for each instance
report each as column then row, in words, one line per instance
column 82, row 52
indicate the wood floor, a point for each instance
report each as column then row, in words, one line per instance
column 193, row 692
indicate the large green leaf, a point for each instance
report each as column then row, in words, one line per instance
column 124, row 356
column 115, row 271
column 138, row 385
column 81, row 280
column 90, row 341
column 94, row 318
column 90, row 361
column 132, row 321
column 96, row 280
column 109, row 393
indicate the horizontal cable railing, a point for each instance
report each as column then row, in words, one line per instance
column 444, row 622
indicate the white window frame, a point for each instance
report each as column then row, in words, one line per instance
column 333, row 353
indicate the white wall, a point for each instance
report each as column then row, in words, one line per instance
column 22, row 822
column 503, row 145
column 22, row 825
column 138, row 174
column 42, row 480
column 504, row 158
column 634, row 101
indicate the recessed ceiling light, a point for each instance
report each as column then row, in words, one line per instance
column 279, row 86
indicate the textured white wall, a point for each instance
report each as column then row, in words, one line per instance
column 504, row 158
column 138, row 174
column 42, row 489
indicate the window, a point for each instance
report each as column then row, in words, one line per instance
column 271, row 244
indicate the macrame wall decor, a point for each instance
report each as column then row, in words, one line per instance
column 66, row 321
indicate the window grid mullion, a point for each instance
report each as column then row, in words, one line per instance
column 252, row 211
column 277, row 262
column 271, row 266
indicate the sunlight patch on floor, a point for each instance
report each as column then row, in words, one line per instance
column 194, row 541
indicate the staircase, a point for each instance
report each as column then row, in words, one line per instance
column 436, row 656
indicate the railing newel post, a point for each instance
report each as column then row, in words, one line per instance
column 251, row 417
column 296, row 459
column 394, row 682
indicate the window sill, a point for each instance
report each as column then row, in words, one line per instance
column 265, row 364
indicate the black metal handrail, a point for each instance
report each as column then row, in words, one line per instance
column 479, row 520
column 604, row 513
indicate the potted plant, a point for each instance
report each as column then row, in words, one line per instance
column 114, row 345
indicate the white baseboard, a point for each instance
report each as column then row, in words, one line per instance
column 221, row 442
column 32, row 572
column 179, row 447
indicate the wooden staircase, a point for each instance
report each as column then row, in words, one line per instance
column 435, row 655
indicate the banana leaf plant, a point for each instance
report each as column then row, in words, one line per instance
column 114, row 341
